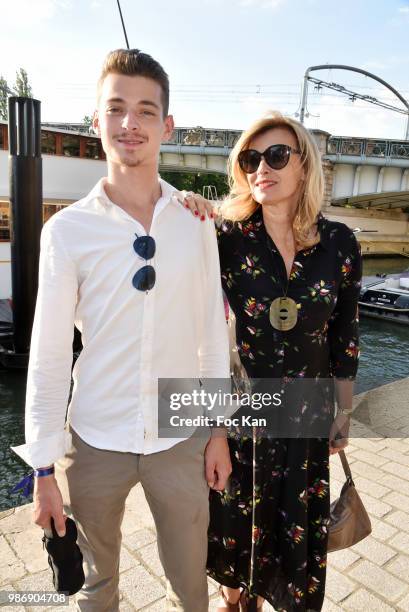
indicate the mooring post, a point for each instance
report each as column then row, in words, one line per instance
column 26, row 220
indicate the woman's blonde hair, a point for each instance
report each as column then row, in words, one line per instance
column 240, row 205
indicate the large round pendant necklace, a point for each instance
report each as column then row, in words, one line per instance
column 283, row 313
column 283, row 310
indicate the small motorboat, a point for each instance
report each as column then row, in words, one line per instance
column 386, row 297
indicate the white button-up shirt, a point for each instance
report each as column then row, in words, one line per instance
column 130, row 338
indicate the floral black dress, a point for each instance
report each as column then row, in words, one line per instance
column 276, row 547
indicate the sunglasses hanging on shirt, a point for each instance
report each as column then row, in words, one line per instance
column 277, row 157
column 145, row 247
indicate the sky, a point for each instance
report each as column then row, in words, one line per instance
column 229, row 61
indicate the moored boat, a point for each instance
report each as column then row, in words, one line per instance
column 386, row 297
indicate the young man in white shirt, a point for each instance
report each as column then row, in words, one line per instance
column 141, row 281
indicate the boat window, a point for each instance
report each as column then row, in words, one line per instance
column 71, row 146
column 93, row 149
column 4, row 221
column 48, row 143
column 50, row 209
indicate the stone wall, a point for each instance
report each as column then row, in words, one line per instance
column 328, row 167
column 321, row 138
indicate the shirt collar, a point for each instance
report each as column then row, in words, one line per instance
column 98, row 193
column 322, row 222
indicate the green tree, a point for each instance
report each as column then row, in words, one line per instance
column 4, row 94
column 87, row 120
column 22, row 86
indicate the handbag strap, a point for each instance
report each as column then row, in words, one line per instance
column 345, row 464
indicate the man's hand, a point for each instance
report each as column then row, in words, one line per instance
column 217, row 462
column 338, row 436
column 48, row 503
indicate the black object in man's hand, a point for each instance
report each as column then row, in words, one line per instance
column 65, row 559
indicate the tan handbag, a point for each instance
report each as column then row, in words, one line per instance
column 349, row 521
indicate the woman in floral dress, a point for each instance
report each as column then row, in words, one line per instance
column 268, row 529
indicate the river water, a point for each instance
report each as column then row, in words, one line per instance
column 384, row 349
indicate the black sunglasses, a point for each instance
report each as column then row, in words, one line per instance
column 277, row 156
column 145, row 277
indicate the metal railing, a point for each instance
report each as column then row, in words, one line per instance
column 368, row 147
column 202, row 137
column 70, row 127
column 194, row 136
column 337, row 145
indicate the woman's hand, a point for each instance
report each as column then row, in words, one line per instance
column 338, row 436
column 199, row 206
column 217, row 461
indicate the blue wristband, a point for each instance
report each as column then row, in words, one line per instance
column 26, row 483
column 43, row 472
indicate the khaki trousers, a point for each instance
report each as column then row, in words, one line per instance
column 95, row 484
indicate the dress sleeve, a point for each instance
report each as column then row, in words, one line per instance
column 224, row 242
column 343, row 326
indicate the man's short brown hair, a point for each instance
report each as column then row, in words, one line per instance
column 132, row 62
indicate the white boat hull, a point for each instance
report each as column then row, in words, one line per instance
column 5, row 271
column 386, row 299
column 65, row 180
column 402, row 318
